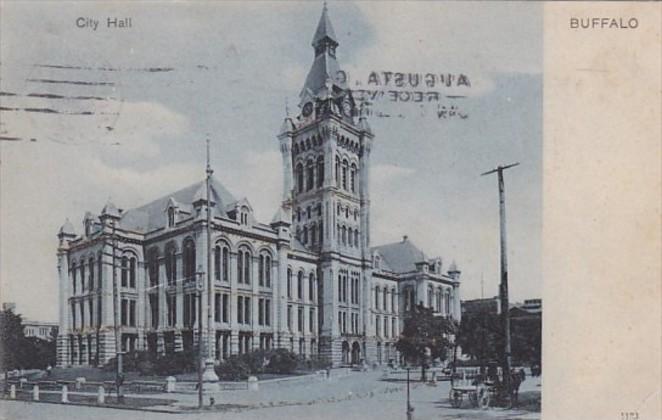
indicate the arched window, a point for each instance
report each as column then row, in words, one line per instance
column 321, row 232
column 226, row 263
column 337, row 171
column 305, row 235
column 320, row 171
column 260, row 270
column 345, row 168
column 377, row 297
column 124, row 277
column 311, row 287
column 217, row 263
column 310, row 175
column 289, row 282
column 153, row 267
column 244, row 266
column 393, row 297
column 73, row 276
column 385, row 299
column 132, row 272
column 344, row 235
column 189, row 260
column 438, row 300
column 447, row 303
column 100, row 272
column 267, row 271
column 409, row 299
column 300, row 285
column 299, row 174
column 356, row 238
column 90, row 269
column 353, row 178
column 171, row 264
column 313, row 234
column 82, row 275
column 430, row 295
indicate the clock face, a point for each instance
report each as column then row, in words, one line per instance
column 347, row 108
column 307, row 109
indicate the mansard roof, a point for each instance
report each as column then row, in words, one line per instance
column 400, row 257
column 153, row 215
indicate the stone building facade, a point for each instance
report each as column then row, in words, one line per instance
column 309, row 280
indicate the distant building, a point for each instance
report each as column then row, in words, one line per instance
column 309, row 281
column 40, row 329
column 9, row 306
column 486, row 305
column 530, row 307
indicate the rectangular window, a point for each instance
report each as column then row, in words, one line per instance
column 225, row 307
column 99, row 311
column 289, row 317
column 132, row 313
column 260, row 312
column 125, row 312
column 247, row 310
column 240, row 309
column 311, row 320
column 267, row 312
column 171, row 302
column 217, row 307
column 340, row 322
column 90, row 311
column 378, row 325
column 154, row 309
column 300, row 319
column 73, row 315
column 386, row 327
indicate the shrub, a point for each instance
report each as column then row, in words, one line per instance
column 175, row 363
column 282, row 361
column 234, row 368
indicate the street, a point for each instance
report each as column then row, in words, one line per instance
column 387, row 401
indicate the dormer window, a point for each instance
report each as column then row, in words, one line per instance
column 243, row 215
column 171, row 217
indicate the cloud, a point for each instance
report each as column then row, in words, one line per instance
column 132, row 130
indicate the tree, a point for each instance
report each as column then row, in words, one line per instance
column 425, row 337
column 481, row 337
column 20, row 352
column 14, row 347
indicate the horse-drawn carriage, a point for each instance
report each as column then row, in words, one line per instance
column 470, row 384
column 482, row 390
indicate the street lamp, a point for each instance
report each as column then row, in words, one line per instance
column 410, row 409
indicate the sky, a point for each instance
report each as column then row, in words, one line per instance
column 131, row 120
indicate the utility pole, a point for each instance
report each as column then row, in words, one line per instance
column 116, row 309
column 503, row 287
column 198, row 296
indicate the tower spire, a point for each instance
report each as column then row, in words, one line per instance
column 324, row 29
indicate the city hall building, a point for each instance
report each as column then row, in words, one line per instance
column 309, row 280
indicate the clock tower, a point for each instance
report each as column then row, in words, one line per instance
column 326, row 163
